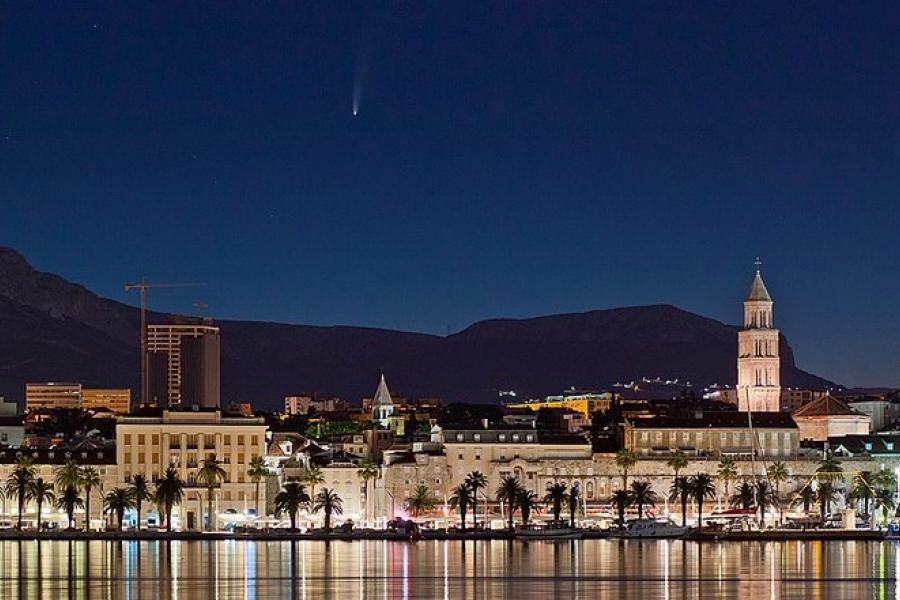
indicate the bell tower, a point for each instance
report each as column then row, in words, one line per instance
column 758, row 364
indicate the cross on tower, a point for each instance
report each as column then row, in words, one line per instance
column 758, row 263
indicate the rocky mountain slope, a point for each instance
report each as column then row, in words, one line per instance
column 52, row 329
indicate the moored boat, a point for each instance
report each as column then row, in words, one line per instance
column 534, row 532
column 651, row 528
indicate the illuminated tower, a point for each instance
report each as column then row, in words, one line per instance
column 758, row 364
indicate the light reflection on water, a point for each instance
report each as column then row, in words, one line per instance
column 582, row 569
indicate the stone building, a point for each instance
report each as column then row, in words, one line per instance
column 183, row 439
column 715, row 434
column 829, row 417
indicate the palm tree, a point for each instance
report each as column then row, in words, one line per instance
column 169, row 492
column 39, row 492
column 420, row 501
column 830, row 470
column 743, row 497
column 68, row 501
column 527, row 502
column 625, row 459
column 573, row 503
column 117, row 501
column 212, row 473
column 476, row 481
column 702, row 487
column 805, row 496
column 765, row 497
column 312, row 476
column 90, row 478
column 330, row 503
column 257, row 471
column 621, row 499
column 642, row 493
column 368, row 471
column 461, row 499
column 862, row 488
column 677, row 461
column 68, row 475
column 681, row 492
column 18, row 483
column 885, row 483
column 777, row 472
column 140, row 491
column 555, row 496
column 825, row 495
column 508, row 491
column 727, row 472
column 290, row 500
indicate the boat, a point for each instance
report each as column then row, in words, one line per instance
column 651, row 528
column 536, row 532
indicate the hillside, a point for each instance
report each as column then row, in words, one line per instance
column 52, row 329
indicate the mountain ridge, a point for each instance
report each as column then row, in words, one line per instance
column 53, row 329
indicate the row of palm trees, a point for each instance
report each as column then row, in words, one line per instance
column 72, row 480
column 510, row 492
column 293, row 497
column 870, row 489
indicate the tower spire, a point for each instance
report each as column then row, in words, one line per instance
column 757, row 263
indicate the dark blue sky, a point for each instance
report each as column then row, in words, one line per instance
column 508, row 159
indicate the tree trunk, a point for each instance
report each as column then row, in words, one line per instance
column 87, row 509
column 684, row 511
column 209, row 513
column 138, row 515
column 39, row 505
column 257, row 498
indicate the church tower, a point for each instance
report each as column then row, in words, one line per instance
column 758, row 364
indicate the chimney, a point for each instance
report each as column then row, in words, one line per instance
column 485, row 424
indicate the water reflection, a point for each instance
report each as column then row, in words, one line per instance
column 501, row 569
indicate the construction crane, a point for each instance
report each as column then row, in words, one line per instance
column 143, row 286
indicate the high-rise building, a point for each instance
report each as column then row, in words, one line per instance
column 183, row 364
column 758, row 363
column 52, row 395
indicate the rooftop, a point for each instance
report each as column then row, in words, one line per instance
column 826, row 406
column 714, row 420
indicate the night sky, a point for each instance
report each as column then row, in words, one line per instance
column 508, row 159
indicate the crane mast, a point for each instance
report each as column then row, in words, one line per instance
column 143, row 286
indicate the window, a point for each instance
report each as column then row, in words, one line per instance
column 141, row 439
column 529, row 437
column 515, row 437
column 477, row 457
column 502, row 437
column 127, row 438
column 460, row 457
column 127, row 457
column 228, row 439
column 459, row 437
column 155, row 439
column 240, row 440
column 156, row 458
column 477, row 437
